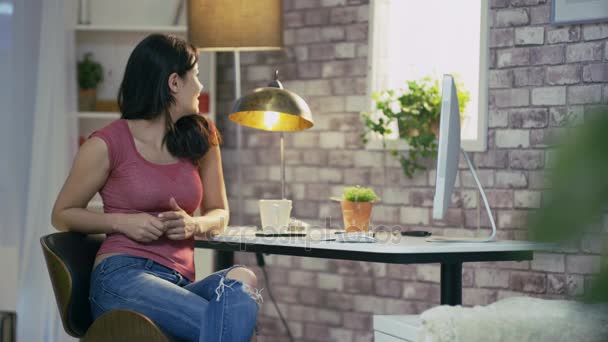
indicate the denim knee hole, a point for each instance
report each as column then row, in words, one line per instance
column 253, row 293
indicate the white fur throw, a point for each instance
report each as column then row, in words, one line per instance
column 517, row 319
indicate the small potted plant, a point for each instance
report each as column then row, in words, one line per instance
column 90, row 74
column 415, row 112
column 356, row 204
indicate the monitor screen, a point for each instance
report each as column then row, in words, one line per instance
column 448, row 149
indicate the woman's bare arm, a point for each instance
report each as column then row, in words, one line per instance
column 89, row 172
column 214, row 207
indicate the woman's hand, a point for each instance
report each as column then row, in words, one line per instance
column 178, row 224
column 141, row 227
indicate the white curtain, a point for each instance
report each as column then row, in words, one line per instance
column 53, row 145
column 19, row 40
column 10, row 185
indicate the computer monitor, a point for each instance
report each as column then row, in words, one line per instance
column 448, row 148
column 448, row 151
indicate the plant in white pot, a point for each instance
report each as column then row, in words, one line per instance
column 90, row 74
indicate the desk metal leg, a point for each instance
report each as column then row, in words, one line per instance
column 451, row 283
column 223, row 260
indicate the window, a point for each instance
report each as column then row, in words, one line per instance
column 412, row 39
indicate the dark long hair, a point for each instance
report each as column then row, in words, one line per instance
column 144, row 94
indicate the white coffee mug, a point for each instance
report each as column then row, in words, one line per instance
column 275, row 214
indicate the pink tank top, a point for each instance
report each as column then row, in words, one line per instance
column 136, row 185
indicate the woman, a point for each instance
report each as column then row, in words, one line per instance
column 151, row 168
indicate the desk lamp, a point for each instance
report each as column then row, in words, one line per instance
column 273, row 109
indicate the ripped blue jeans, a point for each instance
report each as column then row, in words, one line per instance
column 215, row 308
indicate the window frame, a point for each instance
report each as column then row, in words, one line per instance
column 374, row 60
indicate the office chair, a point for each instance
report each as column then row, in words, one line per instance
column 69, row 259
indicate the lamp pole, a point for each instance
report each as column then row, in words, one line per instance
column 225, row 259
column 277, row 84
column 239, row 139
column 282, row 165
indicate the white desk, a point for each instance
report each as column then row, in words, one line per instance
column 389, row 249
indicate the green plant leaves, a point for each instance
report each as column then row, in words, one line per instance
column 416, row 110
column 359, row 194
column 578, row 196
column 90, row 73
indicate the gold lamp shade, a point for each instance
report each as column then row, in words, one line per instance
column 272, row 109
column 228, row 25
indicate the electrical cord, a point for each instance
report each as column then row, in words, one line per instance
column 262, row 264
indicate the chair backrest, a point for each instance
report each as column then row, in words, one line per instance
column 69, row 259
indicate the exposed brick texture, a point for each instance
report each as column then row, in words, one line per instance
column 539, row 74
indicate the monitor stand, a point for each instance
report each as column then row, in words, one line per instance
column 492, row 237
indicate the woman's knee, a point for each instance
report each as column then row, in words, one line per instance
column 244, row 275
column 249, row 281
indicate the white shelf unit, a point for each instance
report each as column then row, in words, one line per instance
column 99, row 115
column 121, row 28
column 112, row 50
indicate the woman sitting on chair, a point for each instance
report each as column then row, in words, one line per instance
column 151, row 168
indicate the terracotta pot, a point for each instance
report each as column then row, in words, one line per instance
column 356, row 215
column 87, row 99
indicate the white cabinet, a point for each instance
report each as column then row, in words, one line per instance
column 396, row 328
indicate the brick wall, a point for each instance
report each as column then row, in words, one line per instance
column 539, row 74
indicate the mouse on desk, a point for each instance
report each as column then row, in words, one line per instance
column 416, row 233
column 355, row 237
